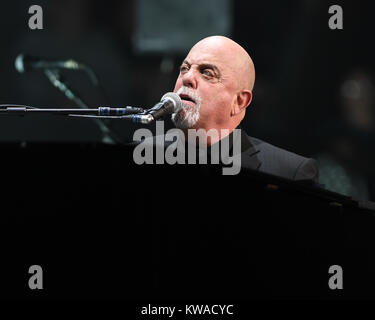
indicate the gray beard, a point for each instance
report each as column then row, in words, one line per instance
column 191, row 116
column 188, row 120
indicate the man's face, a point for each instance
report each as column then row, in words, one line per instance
column 206, row 85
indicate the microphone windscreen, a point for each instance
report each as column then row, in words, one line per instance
column 26, row 62
column 176, row 99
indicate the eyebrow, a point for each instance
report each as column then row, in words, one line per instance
column 204, row 65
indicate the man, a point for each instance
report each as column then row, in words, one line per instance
column 215, row 85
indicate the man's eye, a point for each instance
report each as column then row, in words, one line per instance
column 183, row 69
column 208, row 73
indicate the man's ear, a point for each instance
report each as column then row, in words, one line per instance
column 241, row 101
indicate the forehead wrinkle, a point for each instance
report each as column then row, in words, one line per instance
column 202, row 64
column 220, row 57
column 234, row 59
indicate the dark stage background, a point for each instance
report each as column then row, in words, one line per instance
column 313, row 95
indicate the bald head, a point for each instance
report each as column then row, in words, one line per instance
column 235, row 57
column 215, row 84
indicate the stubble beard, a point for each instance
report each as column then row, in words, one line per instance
column 188, row 115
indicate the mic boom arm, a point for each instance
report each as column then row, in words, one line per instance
column 100, row 111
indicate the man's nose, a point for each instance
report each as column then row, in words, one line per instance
column 189, row 79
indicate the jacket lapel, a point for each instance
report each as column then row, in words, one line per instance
column 249, row 153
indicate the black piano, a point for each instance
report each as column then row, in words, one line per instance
column 102, row 227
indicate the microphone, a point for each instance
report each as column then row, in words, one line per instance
column 170, row 103
column 24, row 63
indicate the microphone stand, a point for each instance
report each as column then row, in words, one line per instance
column 100, row 112
column 108, row 136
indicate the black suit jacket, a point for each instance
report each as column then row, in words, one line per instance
column 262, row 156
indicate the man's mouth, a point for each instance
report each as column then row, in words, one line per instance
column 186, row 99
